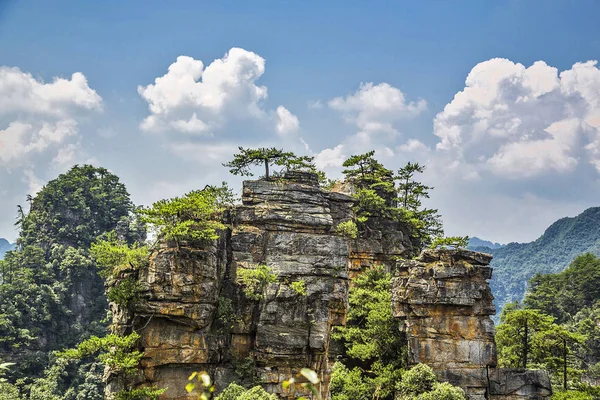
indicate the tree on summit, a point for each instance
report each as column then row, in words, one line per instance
column 242, row 161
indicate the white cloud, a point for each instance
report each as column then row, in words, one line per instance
column 20, row 92
column 39, row 130
column 314, row 104
column 413, row 146
column 330, row 157
column 286, row 121
column 520, row 123
column 40, row 115
column 34, row 183
column 196, row 100
column 374, row 108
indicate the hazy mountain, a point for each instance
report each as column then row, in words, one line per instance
column 564, row 240
column 476, row 242
column 5, row 246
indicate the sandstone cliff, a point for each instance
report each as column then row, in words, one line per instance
column 196, row 314
column 444, row 299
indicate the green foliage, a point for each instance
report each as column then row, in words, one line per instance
column 231, row 392
column 113, row 255
column 255, row 279
column 200, row 381
column 256, row 393
column 75, row 208
column 571, row 395
column 564, row 294
column 114, row 351
column 420, row 383
column 379, row 197
column 372, row 340
column 450, row 241
column 299, row 287
column 195, row 216
column 349, row 384
column 565, row 240
column 347, row 229
column 125, row 292
column 527, row 338
column 371, row 332
column 146, row 393
column 51, row 296
column 226, row 315
column 246, row 158
column 9, row 392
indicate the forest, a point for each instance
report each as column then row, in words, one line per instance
column 82, row 232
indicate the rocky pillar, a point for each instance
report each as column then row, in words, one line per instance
column 444, row 299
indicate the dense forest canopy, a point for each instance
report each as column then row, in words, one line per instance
column 515, row 263
column 51, row 296
column 557, row 327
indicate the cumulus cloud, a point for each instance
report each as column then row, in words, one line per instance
column 37, row 115
column 286, row 121
column 375, row 108
column 522, row 122
column 196, row 100
column 330, row 157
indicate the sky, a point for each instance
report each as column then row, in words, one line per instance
column 500, row 100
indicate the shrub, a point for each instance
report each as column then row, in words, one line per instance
column 299, row 287
column 255, row 280
column 347, row 229
column 125, row 293
column 571, row 395
column 420, row 383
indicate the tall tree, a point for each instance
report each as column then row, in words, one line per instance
column 242, row 161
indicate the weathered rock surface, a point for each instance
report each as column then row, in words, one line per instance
column 195, row 315
column 445, row 302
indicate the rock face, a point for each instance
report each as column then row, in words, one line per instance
column 445, row 302
column 196, row 316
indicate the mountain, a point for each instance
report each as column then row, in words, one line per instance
column 476, row 242
column 515, row 263
column 5, row 246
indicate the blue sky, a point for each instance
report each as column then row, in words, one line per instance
column 313, row 52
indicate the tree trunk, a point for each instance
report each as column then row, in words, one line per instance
column 266, row 169
column 564, row 363
column 525, row 350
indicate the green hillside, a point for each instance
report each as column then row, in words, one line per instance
column 515, row 263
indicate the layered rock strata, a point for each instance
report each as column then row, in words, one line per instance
column 444, row 300
column 195, row 314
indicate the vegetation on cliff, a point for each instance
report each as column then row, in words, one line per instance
column 383, row 195
column 246, row 158
column 557, row 327
column 515, row 263
column 51, row 296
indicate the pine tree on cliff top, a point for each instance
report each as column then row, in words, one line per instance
column 246, row 158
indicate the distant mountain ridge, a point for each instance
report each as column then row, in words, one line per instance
column 515, row 263
column 475, row 242
column 5, row 246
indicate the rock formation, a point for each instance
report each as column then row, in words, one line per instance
column 196, row 314
column 444, row 299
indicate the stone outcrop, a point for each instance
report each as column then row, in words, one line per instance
column 195, row 316
column 445, row 303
